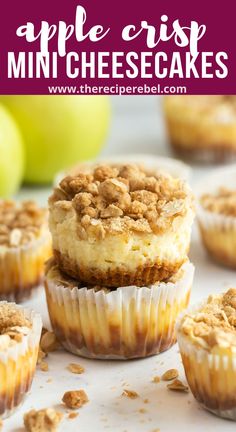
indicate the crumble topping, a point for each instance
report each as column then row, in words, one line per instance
column 13, row 325
column 131, row 394
column 75, row 368
column 44, row 420
column 214, row 324
column 41, row 356
column 20, row 223
column 72, row 415
column 44, row 366
column 75, row 398
column 170, row 374
column 48, row 342
column 156, row 379
column 142, row 410
column 223, row 202
column 177, row 385
column 112, row 198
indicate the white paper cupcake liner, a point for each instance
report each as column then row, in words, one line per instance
column 22, row 268
column 210, row 220
column 221, row 177
column 17, row 366
column 128, row 322
column 218, row 231
column 210, row 376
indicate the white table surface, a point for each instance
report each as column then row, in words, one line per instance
column 137, row 127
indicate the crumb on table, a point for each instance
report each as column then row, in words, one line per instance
column 131, row 394
column 75, row 368
column 170, row 374
column 75, row 398
column 44, row 420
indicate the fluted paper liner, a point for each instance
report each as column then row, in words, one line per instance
column 17, row 366
column 22, row 268
column 127, row 322
column 218, row 231
column 211, row 377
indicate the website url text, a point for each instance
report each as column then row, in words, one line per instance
column 116, row 89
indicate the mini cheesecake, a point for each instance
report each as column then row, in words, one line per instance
column 25, row 244
column 116, row 323
column 207, row 340
column 20, row 331
column 217, row 223
column 119, row 226
column 202, row 128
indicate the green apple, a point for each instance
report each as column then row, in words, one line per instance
column 11, row 155
column 58, row 131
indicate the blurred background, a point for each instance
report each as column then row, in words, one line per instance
column 137, row 126
column 43, row 135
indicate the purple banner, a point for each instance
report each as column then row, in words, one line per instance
column 125, row 47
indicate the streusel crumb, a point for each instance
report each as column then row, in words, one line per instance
column 112, row 198
column 75, row 398
column 131, row 394
column 214, row 324
column 13, row 325
column 49, row 342
column 20, row 223
column 41, row 356
column 11, row 316
column 170, row 374
column 223, row 202
column 156, row 379
column 177, row 385
column 44, row 366
column 45, row 420
column 142, row 410
column 72, row 415
column 75, row 368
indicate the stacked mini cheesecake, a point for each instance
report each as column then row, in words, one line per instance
column 120, row 273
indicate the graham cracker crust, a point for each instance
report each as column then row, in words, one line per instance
column 144, row 275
